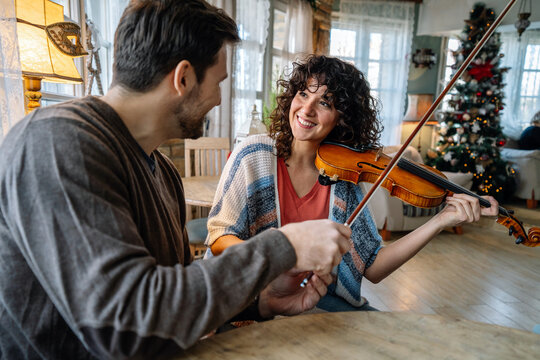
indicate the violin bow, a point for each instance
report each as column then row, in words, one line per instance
column 430, row 111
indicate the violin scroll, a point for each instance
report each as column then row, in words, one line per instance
column 515, row 228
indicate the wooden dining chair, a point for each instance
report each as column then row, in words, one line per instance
column 205, row 156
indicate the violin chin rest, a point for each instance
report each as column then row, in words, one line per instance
column 326, row 181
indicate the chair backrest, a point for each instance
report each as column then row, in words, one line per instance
column 206, row 156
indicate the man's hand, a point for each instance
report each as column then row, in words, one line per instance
column 319, row 244
column 284, row 296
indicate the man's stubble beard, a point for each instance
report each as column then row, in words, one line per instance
column 189, row 119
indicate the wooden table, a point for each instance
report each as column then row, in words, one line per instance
column 369, row 335
column 200, row 190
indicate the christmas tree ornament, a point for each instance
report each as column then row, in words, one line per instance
column 448, row 156
column 480, row 169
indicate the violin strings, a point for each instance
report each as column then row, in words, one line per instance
column 438, row 180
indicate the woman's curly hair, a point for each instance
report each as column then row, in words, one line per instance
column 349, row 92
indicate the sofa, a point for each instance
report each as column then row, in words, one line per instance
column 527, row 165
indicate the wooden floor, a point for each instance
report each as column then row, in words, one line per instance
column 480, row 275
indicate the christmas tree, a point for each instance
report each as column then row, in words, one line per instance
column 470, row 135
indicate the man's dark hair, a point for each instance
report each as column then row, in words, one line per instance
column 348, row 91
column 153, row 36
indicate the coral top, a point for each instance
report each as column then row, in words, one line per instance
column 314, row 205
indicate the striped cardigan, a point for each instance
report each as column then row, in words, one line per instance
column 246, row 203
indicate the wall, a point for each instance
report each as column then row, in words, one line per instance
column 445, row 17
column 174, row 150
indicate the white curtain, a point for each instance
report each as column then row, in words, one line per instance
column 220, row 117
column 252, row 17
column 522, row 93
column 384, row 32
column 105, row 15
column 11, row 89
column 298, row 34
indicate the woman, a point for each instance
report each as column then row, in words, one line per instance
column 270, row 181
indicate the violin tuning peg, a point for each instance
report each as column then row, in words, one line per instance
column 510, row 230
column 334, row 177
column 520, row 239
column 321, row 171
column 511, row 212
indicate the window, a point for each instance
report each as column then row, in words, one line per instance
column 252, row 18
column 103, row 16
column 266, row 52
column 450, row 45
column 522, row 90
column 375, row 37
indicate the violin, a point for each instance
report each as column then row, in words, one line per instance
column 416, row 184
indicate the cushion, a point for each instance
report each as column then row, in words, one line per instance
column 197, row 231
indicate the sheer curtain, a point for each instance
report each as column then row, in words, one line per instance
column 380, row 36
column 298, row 35
column 522, row 89
column 105, row 15
column 11, row 89
column 219, row 118
column 252, row 17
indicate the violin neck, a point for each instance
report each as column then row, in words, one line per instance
column 444, row 183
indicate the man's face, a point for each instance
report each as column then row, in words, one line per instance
column 191, row 112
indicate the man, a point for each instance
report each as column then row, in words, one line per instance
column 93, row 254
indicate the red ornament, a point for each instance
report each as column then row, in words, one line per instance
column 479, row 94
column 481, row 71
column 501, row 142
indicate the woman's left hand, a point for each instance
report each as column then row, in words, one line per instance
column 462, row 208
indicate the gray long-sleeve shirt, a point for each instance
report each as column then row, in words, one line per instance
column 93, row 248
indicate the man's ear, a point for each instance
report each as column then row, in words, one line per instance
column 184, row 77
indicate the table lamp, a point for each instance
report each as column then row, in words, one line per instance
column 47, row 46
column 418, row 105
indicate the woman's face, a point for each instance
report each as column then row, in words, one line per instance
column 312, row 116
